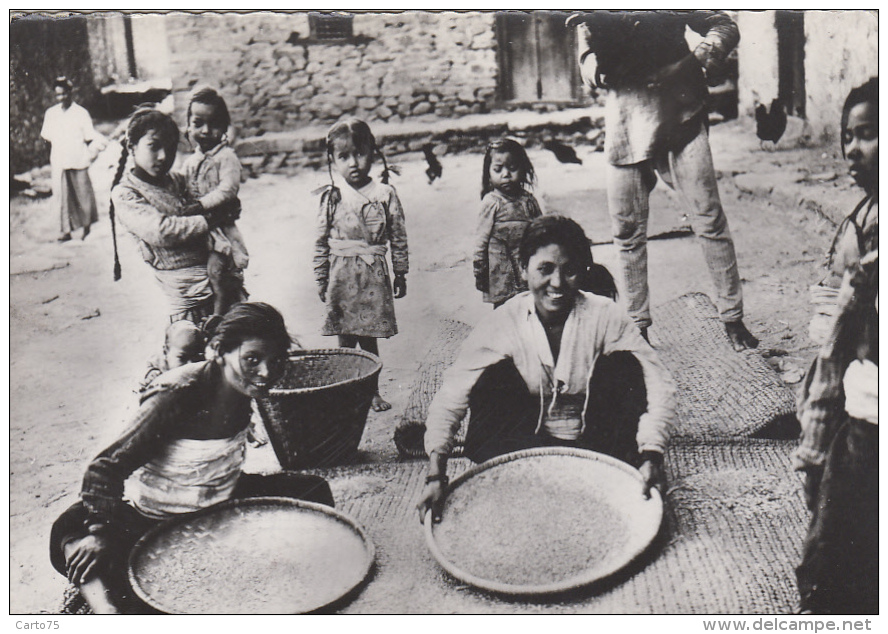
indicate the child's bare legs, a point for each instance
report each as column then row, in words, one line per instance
column 370, row 345
column 227, row 288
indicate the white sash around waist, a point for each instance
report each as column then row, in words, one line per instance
column 357, row 249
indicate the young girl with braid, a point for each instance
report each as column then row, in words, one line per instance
column 359, row 219
column 152, row 204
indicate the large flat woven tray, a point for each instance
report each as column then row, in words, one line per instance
column 251, row 556
column 734, row 521
column 731, row 538
column 543, row 521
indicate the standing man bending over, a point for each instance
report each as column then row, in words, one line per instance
column 656, row 122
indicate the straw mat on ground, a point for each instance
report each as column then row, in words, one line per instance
column 721, row 393
column 731, row 539
column 436, row 358
column 732, row 532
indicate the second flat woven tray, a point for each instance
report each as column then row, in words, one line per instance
column 734, row 522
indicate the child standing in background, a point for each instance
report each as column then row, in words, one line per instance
column 507, row 207
column 358, row 218
column 213, row 175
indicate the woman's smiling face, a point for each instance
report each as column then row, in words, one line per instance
column 253, row 367
column 553, row 279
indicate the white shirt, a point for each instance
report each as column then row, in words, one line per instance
column 69, row 131
column 861, row 384
column 595, row 326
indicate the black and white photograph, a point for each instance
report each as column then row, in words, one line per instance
column 445, row 312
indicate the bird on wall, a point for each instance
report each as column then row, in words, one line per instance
column 564, row 153
column 434, row 169
column 770, row 123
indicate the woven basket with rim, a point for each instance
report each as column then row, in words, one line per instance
column 316, row 415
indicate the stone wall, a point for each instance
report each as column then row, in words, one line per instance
column 398, row 66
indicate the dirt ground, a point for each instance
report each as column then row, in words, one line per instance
column 79, row 341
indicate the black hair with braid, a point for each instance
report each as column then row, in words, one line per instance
column 361, row 135
column 145, row 118
column 517, row 151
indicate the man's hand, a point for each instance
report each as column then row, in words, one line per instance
column 193, row 209
column 322, row 293
column 432, row 498
column 653, row 472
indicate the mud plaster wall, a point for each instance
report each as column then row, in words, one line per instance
column 756, row 59
column 400, row 65
column 841, row 52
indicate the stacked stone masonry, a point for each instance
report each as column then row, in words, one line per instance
column 397, row 66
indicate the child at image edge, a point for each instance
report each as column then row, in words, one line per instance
column 507, row 208
column 359, row 219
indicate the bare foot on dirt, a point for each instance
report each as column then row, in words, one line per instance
column 740, row 337
column 380, row 405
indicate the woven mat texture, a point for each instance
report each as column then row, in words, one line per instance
column 732, row 534
column 439, row 356
column 721, row 393
column 731, row 539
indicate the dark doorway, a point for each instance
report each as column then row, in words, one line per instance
column 791, row 60
column 537, row 57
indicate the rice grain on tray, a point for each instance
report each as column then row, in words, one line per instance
column 263, row 561
column 518, row 527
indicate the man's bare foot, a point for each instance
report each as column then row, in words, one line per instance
column 380, row 405
column 740, row 337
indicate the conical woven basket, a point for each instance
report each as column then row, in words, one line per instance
column 316, row 415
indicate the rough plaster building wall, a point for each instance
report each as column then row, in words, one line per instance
column 399, row 66
column 842, row 52
column 149, row 46
column 756, row 59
